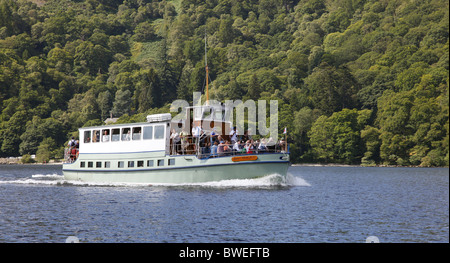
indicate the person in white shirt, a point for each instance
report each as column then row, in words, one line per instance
column 196, row 133
column 262, row 145
column 105, row 137
column 233, row 135
column 236, row 146
column 175, row 141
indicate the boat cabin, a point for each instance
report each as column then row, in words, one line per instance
column 209, row 118
column 155, row 136
column 127, row 138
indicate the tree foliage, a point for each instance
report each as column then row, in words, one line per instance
column 357, row 81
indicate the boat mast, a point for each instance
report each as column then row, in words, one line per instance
column 207, row 74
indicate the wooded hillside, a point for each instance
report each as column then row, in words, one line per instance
column 358, row 81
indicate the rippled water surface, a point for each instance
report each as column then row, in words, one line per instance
column 314, row 204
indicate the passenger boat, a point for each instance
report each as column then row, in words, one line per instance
column 145, row 153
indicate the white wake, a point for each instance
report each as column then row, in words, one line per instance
column 273, row 180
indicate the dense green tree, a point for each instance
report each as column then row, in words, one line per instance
column 371, row 138
column 321, row 141
column 81, row 109
column 331, row 89
column 122, row 103
column 302, row 124
column 254, row 88
column 48, row 149
column 144, row 32
column 376, row 70
column 10, row 132
column 92, row 59
column 147, row 90
column 104, row 101
column 338, row 138
column 226, row 31
column 31, row 137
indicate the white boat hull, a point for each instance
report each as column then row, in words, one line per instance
column 186, row 169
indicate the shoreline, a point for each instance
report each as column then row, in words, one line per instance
column 12, row 161
column 361, row 165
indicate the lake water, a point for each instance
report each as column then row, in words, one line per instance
column 315, row 204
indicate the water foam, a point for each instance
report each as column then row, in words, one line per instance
column 44, row 179
column 273, row 180
column 296, row 180
column 48, row 176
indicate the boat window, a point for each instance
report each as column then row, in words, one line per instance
column 149, row 163
column 218, row 116
column 90, row 164
column 96, row 136
column 159, row 132
column 105, row 135
column 160, row 162
column 148, row 132
column 140, row 163
column 126, row 134
column 197, row 113
column 115, row 135
column 136, row 133
column 107, row 164
column 171, row 161
column 120, row 164
column 130, row 163
column 207, row 113
column 87, row 136
column 98, row 165
column 82, row 165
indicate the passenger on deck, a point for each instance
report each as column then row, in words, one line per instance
column 175, row 141
column 255, row 145
column 105, row 136
column 237, row 146
column 73, row 153
column 214, row 149
column 227, row 148
column 242, row 149
column 220, row 149
column 72, row 150
column 96, row 136
column 72, row 142
column 196, row 131
column 262, row 145
column 214, row 135
column 233, row 135
column 283, row 145
column 126, row 136
column 184, row 141
column 203, row 142
column 270, row 145
column 249, row 146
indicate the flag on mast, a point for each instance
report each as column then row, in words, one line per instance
column 285, row 130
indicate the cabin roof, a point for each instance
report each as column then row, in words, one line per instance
column 151, row 119
column 121, row 125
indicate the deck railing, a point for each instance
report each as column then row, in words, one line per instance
column 190, row 145
column 70, row 154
